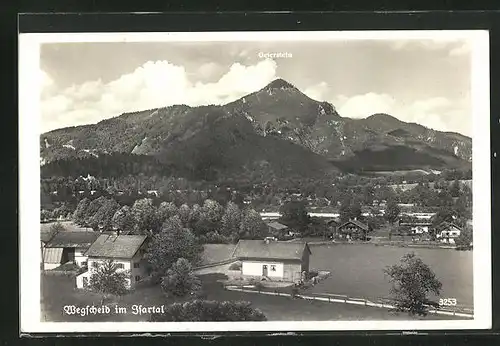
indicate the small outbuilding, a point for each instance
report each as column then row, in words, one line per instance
column 273, row 260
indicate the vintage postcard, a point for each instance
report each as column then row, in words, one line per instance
column 255, row 181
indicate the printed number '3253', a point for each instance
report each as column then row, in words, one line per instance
column 448, row 302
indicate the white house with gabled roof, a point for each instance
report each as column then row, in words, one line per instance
column 126, row 251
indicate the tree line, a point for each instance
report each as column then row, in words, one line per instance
column 211, row 222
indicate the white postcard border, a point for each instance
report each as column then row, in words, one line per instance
column 29, row 175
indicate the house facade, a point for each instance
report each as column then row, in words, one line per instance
column 67, row 246
column 353, row 230
column 273, row 260
column 126, row 252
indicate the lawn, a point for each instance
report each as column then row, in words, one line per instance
column 58, row 291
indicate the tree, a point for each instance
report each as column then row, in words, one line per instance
column 455, row 188
column 295, row 215
column 145, row 216
column 92, row 209
column 213, row 211
column 123, row 220
column 251, row 226
column 464, row 240
column 109, row 279
column 80, row 211
column 165, row 211
column 209, row 310
column 350, row 211
column 391, row 214
column 231, row 219
column 184, row 213
column 171, row 243
column 105, row 214
column 412, row 281
column 180, row 280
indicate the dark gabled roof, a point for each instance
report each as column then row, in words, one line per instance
column 272, row 250
column 116, row 246
column 277, row 226
column 446, row 224
column 332, row 222
column 357, row 223
column 81, row 239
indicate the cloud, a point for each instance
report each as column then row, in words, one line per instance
column 318, row 91
column 362, row 106
column 455, row 47
column 152, row 85
column 438, row 113
column 464, row 48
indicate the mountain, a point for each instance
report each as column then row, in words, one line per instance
column 276, row 131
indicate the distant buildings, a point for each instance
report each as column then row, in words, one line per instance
column 273, row 260
column 353, row 230
column 447, row 232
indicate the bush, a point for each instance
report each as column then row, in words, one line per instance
column 209, row 310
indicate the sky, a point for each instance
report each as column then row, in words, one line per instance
column 421, row 81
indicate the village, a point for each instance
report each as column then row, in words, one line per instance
column 283, row 256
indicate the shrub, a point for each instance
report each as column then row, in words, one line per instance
column 209, row 310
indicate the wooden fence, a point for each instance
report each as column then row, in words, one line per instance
column 334, row 298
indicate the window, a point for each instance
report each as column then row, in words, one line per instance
column 137, row 278
column 273, row 268
column 120, row 265
column 136, row 265
column 84, row 263
column 95, row 264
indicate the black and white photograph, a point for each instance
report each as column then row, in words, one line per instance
column 254, row 181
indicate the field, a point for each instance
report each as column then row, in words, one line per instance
column 357, row 270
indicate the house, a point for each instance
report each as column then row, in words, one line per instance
column 279, row 230
column 67, row 246
column 332, row 227
column 415, row 226
column 126, row 251
column 447, row 232
column 273, row 260
column 353, row 230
